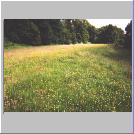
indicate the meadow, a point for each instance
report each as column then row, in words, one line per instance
column 67, row 78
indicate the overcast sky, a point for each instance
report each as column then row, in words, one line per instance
column 121, row 23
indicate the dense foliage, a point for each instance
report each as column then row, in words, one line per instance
column 111, row 35
column 128, row 35
column 64, row 31
column 22, row 31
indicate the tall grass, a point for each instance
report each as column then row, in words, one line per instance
column 80, row 78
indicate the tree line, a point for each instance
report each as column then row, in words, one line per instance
column 64, row 31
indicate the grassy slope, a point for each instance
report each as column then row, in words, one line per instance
column 67, row 78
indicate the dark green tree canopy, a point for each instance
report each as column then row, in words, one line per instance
column 64, row 31
column 128, row 35
column 22, row 31
column 110, row 34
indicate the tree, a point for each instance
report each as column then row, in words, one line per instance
column 57, row 29
column 22, row 31
column 120, row 37
column 71, row 28
column 80, row 28
column 69, row 31
column 85, row 35
column 111, row 35
column 92, row 31
column 46, row 32
column 128, row 35
column 63, row 31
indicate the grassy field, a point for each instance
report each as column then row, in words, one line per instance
column 67, row 78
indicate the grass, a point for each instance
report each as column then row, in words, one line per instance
column 10, row 45
column 67, row 78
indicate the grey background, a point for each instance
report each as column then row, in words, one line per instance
column 67, row 122
column 64, row 9
column 93, row 122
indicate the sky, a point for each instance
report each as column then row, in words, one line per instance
column 121, row 23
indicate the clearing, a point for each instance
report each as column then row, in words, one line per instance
column 69, row 78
